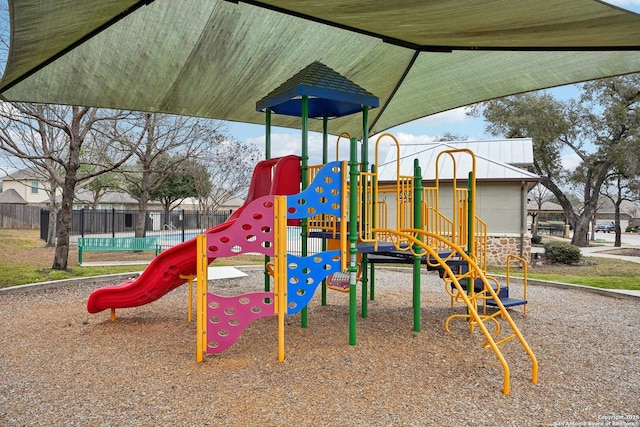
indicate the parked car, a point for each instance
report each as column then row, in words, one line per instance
column 606, row 226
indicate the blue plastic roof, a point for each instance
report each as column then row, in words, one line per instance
column 330, row 94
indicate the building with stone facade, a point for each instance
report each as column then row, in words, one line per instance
column 502, row 186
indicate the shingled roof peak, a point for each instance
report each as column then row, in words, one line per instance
column 330, row 94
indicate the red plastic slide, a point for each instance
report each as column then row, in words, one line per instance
column 279, row 176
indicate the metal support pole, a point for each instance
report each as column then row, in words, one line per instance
column 280, row 269
column 353, row 238
column 417, row 224
column 364, row 167
column 372, row 284
column 470, row 237
column 202, row 265
column 470, row 231
column 374, row 219
column 325, row 158
column 363, row 276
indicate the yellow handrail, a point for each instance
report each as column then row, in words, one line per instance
column 338, row 143
column 412, row 235
column 458, row 216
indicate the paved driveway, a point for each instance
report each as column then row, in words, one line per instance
column 628, row 239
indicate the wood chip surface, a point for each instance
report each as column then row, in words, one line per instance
column 60, row 365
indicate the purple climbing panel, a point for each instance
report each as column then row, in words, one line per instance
column 227, row 317
column 251, row 232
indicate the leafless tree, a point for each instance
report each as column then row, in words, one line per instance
column 539, row 195
column 230, row 166
column 167, row 143
column 55, row 140
column 618, row 189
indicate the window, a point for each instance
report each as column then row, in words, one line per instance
column 34, row 187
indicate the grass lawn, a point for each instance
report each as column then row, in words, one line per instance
column 597, row 272
column 25, row 259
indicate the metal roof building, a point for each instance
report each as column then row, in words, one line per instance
column 499, row 160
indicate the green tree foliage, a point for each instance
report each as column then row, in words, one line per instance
column 600, row 129
column 179, row 184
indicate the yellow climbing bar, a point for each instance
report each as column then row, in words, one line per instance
column 280, row 268
column 416, row 237
column 202, row 265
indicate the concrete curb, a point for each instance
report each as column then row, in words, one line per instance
column 81, row 280
column 59, row 283
column 614, row 293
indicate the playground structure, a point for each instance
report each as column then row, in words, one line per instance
column 337, row 201
column 262, row 228
column 177, row 265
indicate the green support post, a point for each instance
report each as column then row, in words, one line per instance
column 417, row 224
column 364, row 167
column 372, row 284
column 353, row 238
column 363, row 277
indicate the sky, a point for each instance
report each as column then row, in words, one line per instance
column 287, row 141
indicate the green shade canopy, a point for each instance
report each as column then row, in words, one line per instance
column 217, row 58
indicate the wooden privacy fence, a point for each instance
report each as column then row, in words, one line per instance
column 19, row 216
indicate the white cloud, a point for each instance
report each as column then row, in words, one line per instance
column 406, row 138
column 451, row 116
column 570, row 161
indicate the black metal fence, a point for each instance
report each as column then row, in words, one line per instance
column 170, row 228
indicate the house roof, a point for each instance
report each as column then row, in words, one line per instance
column 487, row 168
column 514, row 151
column 547, row 206
column 11, row 196
column 626, row 207
column 27, row 173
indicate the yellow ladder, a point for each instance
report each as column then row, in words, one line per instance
column 418, row 237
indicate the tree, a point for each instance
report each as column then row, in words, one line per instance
column 617, row 189
column 202, row 185
column 448, row 136
column 230, row 165
column 539, row 195
column 177, row 186
column 98, row 187
column 52, row 139
column 597, row 129
column 167, row 144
